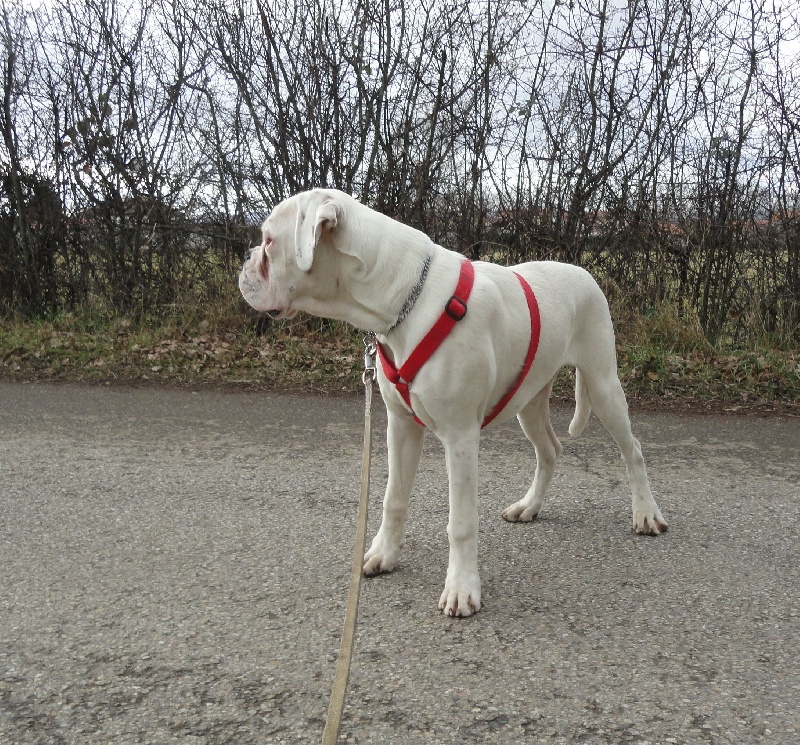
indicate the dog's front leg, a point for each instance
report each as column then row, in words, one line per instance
column 404, row 439
column 462, row 588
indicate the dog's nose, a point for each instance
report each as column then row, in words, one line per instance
column 248, row 252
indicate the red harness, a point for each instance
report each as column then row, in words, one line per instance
column 454, row 310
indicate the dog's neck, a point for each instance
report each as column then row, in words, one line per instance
column 413, row 294
column 367, row 295
column 374, row 276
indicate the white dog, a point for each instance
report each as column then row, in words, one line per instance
column 325, row 253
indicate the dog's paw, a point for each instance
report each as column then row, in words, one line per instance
column 380, row 557
column 520, row 512
column 649, row 522
column 377, row 564
column 461, row 598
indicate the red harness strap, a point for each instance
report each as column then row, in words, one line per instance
column 533, row 345
column 454, row 310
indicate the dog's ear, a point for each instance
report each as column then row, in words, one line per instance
column 319, row 212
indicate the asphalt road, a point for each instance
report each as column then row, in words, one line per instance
column 174, row 568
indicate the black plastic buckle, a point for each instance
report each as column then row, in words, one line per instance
column 456, row 308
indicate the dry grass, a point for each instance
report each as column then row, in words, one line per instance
column 663, row 357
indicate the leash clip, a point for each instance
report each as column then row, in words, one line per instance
column 370, row 350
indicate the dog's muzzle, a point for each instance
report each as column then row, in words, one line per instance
column 250, row 287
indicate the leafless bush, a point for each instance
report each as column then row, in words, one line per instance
column 656, row 144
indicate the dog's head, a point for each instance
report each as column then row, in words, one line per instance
column 277, row 275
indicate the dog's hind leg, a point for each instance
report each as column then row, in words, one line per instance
column 404, row 439
column 609, row 403
column 583, row 409
column 535, row 422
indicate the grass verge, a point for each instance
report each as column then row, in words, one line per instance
column 662, row 362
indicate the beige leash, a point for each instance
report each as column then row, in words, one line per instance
column 339, row 690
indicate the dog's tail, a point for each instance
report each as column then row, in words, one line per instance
column 583, row 408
